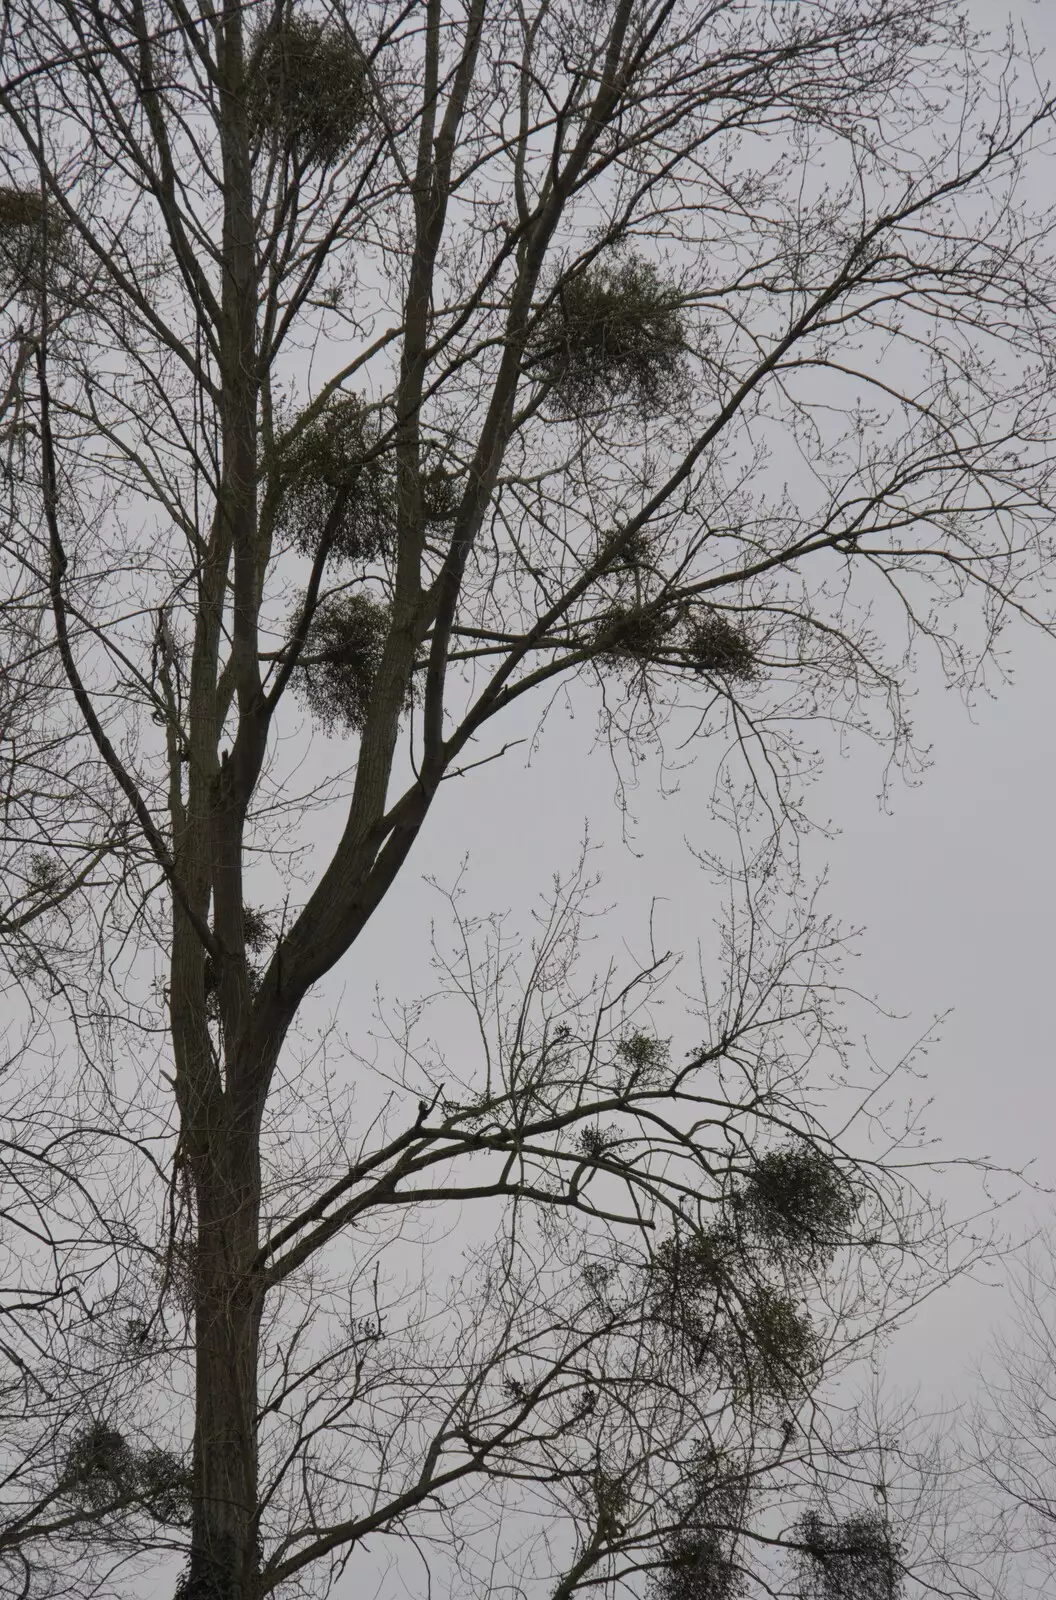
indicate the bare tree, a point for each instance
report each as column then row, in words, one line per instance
column 697, row 352
column 72, row 1169
column 1006, row 1445
column 67, row 1247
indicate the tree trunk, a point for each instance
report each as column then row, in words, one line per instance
column 225, row 1556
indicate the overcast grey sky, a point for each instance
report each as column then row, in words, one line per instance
column 953, row 882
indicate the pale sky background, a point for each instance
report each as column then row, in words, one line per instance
column 953, row 881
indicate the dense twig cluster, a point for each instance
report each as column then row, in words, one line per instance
column 798, row 1202
column 33, row 240
column 699, row 639
column 858, row 1557
column 715, row 644
column 701, row 1556
column 341, row 658
column 103, row 1468
column 713, row 1298
column 612, row 334
column 329, row 478
column 308, row 87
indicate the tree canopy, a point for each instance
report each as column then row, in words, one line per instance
column 372, row 370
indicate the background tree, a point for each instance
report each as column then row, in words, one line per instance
column 70, row 1354
column 1005, row 1448
column 488, row 333
column 71, row 1164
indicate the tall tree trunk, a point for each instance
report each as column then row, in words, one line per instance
column 225, row 1556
